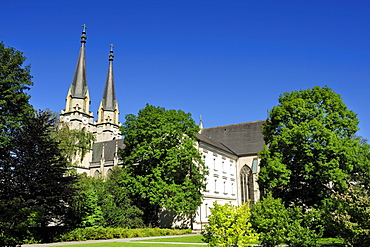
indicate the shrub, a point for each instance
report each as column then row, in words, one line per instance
column 303, row 228
column 277, row 224
column 269, row 218
column 91, row 233
column 229, row 226
column 349, row 215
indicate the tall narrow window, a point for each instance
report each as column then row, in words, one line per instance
column 96, row 174
column 254, row 165
column 246, row 185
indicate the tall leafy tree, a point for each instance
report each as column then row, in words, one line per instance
column 15, row 80
column 74, row 143
column 34, row 190
column 310, row 150
column 100, row 203
column 163, row 168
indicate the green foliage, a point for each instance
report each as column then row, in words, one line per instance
column 118, row 208
column 103, row 204
column 304, row 227
column 270, row 218
column 91, row 233
column 74, row 143
column 34, row 190
column 309, row 148
column 229, row 226
column 348, row 215
column 277, row 224
column 15, row 79
column 162, row 166
column 85, row 208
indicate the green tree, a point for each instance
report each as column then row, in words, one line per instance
column 117, row 206
column 277, row 224
column 229, row 225
column 163, row 167
column 34, row 190
column 270, row 218
column 74, row 143
column 100, row 203
column 348, row 215
column 15, row 80
column 310, row 150
column 85, row 208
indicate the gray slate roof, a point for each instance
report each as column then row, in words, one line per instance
column 216, row 144
column 242, row 139
column 109, row 150
column 238, row 139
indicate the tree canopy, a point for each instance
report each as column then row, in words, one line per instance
column 162, row 164
column 15, row 80
column 74, row 143
column 34, row 190
column 310, row 147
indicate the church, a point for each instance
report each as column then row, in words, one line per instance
column 230, row 152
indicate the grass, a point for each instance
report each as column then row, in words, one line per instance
column 132, row 244
column 188, row 239
column 331, row 242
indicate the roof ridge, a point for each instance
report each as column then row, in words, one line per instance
column 235, row 124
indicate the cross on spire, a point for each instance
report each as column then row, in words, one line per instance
column 84, row 28
column 111, row 47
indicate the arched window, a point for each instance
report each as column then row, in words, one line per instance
column 246, row 185
column 96, row 174
column 109, row 172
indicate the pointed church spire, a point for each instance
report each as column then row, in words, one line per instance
column 79, row 85
column 107, row 123
column 109, row 102
column 78, row 98
column 200, row 124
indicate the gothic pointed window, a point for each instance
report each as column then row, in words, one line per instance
column 96, row 174
column 109, row 172
column 246, row 185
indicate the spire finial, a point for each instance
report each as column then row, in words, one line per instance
column 83, row 36
column 200, row 123
column 84, row 28
column 111, row 56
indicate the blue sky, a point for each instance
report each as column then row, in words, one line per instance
column 225, row 60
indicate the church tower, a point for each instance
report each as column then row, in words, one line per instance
column 77, row 112
column 107, row 125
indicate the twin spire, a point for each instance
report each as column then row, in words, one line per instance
column 79, row 84
column 79, row 89
column 109, row 102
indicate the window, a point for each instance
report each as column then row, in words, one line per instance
column 225, row 193
column 254, row 165
column 109, row 172
column 96, row 174
column 246, row 185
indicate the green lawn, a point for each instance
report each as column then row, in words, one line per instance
column 189, row 239
column 132, row 244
